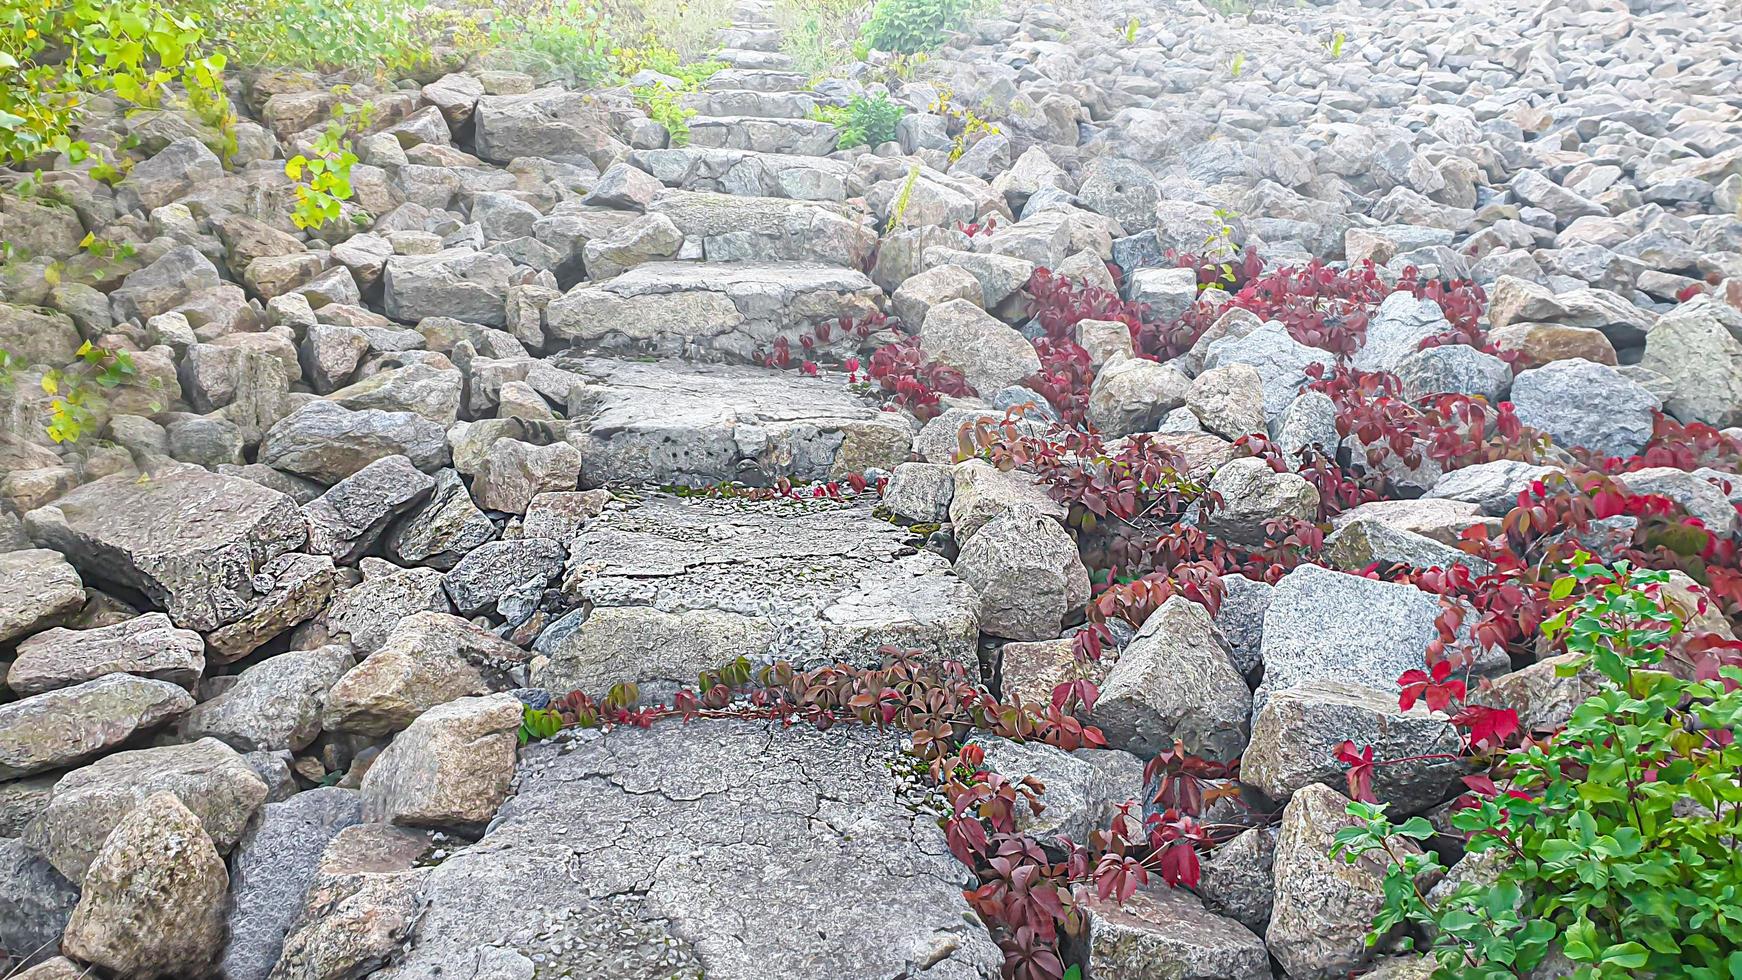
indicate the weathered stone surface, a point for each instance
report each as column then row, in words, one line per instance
column 920, row 493
column 1584, row 404
column 71, row 725
column 1228, row 401
column 882, row 899
column 1238, row 880
column 440, row 531
column 1280, row 360
column 360, row 905
column 1027, row 572
column 513, row 472
column 366, row 613
column 989, row 354
column 275, row 704
column 1494, row 487
column 189, row 539
column 347, row 520
column 208, row 776
column 327, row 442
column 1176, row 680
column 38, row 589
column 1441, row 520
column 1252, row 493
column 561, row 515
column 274, row 864
column 35, row 902
column 1295, row 739
column 1166, row 932
column 450, row 768
column 981, row 493
column 825, row 583
column 674, row 423
column 291, row 589
column 1084, row 789
column 21, row 800
column 732, row 309
column 1325, row 625
column 153, row 900
column 461, row 283
column 1365, row 541
column 567, row 126
column 428, row 659
column 1324, row 906
column 486, row 574
column 1132, row 395
column 1699, row 348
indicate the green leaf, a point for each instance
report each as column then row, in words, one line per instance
column 1628, row 955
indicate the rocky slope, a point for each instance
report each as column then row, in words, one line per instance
column 267, row 629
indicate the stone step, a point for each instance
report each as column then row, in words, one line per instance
column 749, row 102
column 651, row 830
column 675, row 422
column 714, row 310
column 749, row 173
column 682, row 584
column 744, row 37
column 808, row 137
column 759, row 80
column 749, row 58
column 730, row 228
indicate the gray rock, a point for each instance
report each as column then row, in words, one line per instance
column 1166, row 932
column 561, row 515
column 38, row 589
column 1699, row 497
column 989, row 354
column 1295, row 739
column 881, row 899
column 208, row 776
column 289, row 590
column 273, row 865
column 716, row 564
column 1132, row 394
column 35, row 903
column 1027, row 572
column 920, row 493
column 1084, row 789
column 443, row 529
column 1580, row 403
column 1492, row 486
column 457, row 282
column 490, row 570
column 514, row 472
column 1176, row 680
column 570, row 127
column 697, row 424
column 1456, row 369
column 982, row 493
column 1228, row 401
column 72, row 725
column 1364, row 541
column 1324, row 907
column 359, row 907
column 174, row 172
column 153, row 900
column 366, row 613
column 625, row 188
column 20, row 801
column 1252, row 493
column 346, row 521
column 430, row 390
column 275, row 704
column 1241, row 619
column 326, row 442
column 450, row 768
column 1238, row 880
column 1325, row 625
column 429, row 659
column 1168, row 293
column 1699, row 348
column 1280, row 360
column 190, row 540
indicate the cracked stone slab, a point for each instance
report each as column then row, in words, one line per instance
column 672, row 422
column 727, row 309
column 809, row 583
column 643, row 854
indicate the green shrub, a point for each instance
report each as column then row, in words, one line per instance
column 819, row 35
column 566, row 40
column 912, row 26
column 381, row 36
column 54, row 56
column 662, row 107
column 862, row 121
column 323, row 181
column 1615, row 838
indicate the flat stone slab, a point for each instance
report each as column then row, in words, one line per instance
column 803, row 136
column 726, row 310
column 648, row 854
column 673, row 422
column 675, row 585
column 190, row 540
column 747, row 172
